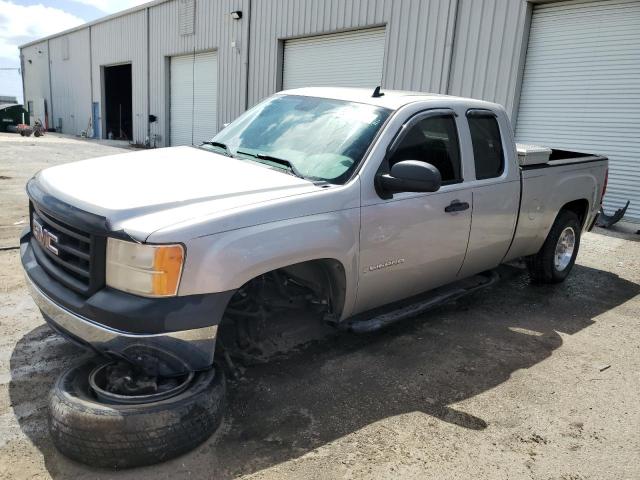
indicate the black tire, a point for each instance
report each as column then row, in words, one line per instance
column 125, row 436
column 542, row 266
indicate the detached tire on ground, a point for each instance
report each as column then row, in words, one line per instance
column 124, row 436
column 557, row 256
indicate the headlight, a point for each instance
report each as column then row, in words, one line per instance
column 147, row 270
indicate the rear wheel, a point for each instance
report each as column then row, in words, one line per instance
column 554, row 261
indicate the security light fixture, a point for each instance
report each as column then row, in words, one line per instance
column 237, row 15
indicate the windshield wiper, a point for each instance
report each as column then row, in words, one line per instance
column 221, row 145
column 279, row 161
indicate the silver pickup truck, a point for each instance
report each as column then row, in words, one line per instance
column 347, row 202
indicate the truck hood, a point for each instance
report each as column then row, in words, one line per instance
column 141, row 192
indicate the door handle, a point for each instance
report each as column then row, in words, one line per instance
column 456, row 206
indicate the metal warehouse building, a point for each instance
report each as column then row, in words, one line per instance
column 172, row 72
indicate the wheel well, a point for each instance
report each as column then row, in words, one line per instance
column 325, row 277
column 298, row 299
column 579, row 207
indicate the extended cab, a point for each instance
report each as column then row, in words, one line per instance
column 331, row 199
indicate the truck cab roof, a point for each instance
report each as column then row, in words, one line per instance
column 391, row 99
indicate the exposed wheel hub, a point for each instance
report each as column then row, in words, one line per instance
column 123, row 383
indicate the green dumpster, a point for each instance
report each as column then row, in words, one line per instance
column 12, row 115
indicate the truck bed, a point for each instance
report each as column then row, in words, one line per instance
column 566, row 178
column 534, row 156
column 559, row 158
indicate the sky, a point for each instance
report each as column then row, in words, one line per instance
column 24, row 20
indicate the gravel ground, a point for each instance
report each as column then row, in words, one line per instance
column 21, row 157
column 512, row 382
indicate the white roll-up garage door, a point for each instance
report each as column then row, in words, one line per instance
column 351, row 59
column 581, row 88
column 194, row 96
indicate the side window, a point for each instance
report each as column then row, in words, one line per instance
column 433, row 140
column 487, row 145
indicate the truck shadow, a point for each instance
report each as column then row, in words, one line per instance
column 343, row 383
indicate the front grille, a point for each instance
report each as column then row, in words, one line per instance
column 73, row 257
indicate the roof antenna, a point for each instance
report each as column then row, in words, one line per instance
column 377, row 93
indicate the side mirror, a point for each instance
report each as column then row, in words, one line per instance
column 410, row 176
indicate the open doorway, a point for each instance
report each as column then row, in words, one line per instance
column 118, row 123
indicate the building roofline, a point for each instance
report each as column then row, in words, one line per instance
column 97, row 21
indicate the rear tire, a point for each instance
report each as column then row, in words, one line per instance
column 125, row 436
column 554, row 261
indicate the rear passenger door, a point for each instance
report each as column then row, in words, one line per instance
column 412, row 242
column 495, row 189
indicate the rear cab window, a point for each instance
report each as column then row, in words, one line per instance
column 434, row 140
column 488, row 154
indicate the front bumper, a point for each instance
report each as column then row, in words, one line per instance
column 194, row 347
column 96, row 322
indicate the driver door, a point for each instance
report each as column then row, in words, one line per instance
column 413, row 242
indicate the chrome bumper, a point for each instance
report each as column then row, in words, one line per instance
column 194, row 347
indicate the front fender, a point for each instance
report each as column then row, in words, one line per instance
column 226, row 261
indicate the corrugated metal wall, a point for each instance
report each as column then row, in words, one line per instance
column 420, row 50
column 214, row 30
column 70, row 81
column 488, row 50
column 123, row 40
column 418, row 38
column 36, row 73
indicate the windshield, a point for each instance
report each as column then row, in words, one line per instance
column 316, row 138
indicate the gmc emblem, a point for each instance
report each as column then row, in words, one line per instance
column 45, row 237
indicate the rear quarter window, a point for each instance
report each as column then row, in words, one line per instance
column 488, row 153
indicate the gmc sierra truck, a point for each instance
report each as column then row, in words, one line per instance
column 345, row 202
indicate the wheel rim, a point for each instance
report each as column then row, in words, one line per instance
column 564, row 249
column 99, row 385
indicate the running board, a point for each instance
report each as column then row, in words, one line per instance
column 388, row 315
